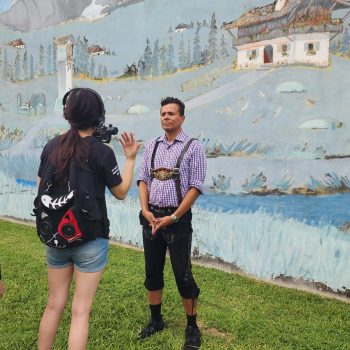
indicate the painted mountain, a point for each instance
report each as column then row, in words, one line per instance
column 26, row 15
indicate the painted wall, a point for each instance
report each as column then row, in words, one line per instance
column 276, row 140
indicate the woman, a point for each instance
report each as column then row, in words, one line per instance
column 84, row 110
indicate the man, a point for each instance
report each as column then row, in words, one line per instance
column 171, row 179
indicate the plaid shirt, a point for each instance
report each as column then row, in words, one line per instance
column 192, row 169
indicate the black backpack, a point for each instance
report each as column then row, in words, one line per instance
column 67, row 215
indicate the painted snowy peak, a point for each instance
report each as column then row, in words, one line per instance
column 27, row 15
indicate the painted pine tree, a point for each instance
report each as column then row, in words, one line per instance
column 141, row 67
column 188, row 55
column 105, row 72
column 54, row 56
column 77, row 57
column 100, row 71
column 92, row 68
column 84, row 56
column 170, row 57
column 10, row 73
column 181, row 56
column 147, row 57
column 5, row 70
column 49, row 68
column 345, row 41
column 31, row 68
column 17, row 74
column 155, row 59
column 212, row 43
column 162, row 60
column 25, row 66
column 223, row 47
column 197, row 46
column 41, row 67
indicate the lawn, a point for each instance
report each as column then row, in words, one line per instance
column 235, row 312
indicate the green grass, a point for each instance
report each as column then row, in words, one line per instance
column 235, row 312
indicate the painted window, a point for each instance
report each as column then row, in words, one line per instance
column 252, row 54
column 284, row 49
column 311, row 48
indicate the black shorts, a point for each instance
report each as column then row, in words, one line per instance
column 177, row 238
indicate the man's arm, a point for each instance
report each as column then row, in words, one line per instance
column 143, row 194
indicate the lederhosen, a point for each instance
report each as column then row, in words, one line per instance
column 176, row 237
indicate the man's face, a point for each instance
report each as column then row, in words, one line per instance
column 170, row 118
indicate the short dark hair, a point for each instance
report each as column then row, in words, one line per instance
column 168, row 100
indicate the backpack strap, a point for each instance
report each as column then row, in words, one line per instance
column 176, row 170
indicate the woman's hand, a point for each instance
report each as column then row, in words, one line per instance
column 130, row 146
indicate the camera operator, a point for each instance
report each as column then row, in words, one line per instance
column 84, row 110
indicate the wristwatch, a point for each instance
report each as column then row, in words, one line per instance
column 174, row 218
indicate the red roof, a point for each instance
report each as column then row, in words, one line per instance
column 17, row 43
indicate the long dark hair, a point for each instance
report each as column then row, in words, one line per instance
column 67, row 146
column 82, row 110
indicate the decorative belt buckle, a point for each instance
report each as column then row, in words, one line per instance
column 162, row 174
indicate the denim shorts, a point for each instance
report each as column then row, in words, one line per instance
column 88, row 257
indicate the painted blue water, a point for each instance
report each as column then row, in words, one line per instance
column 313, row 210
column 26, row 182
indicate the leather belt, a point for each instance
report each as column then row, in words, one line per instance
column 164, row 211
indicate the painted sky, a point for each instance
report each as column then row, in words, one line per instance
column 5, row 5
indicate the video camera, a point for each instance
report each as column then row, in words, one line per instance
column 104, row 133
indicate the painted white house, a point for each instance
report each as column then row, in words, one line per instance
column 182, row 27
column 310, row 48
column 17, row 44
column 96, row 50
column 286, row 32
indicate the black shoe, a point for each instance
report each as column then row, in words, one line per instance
column 152, row 328
column 192, row 338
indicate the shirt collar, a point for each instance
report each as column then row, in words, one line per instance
column 180, row 137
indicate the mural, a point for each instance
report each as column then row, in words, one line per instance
column 266, row 91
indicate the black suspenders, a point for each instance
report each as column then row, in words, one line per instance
column 176, row 170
